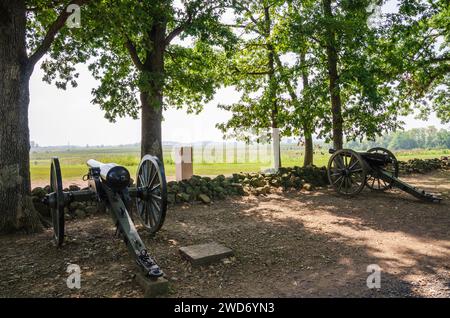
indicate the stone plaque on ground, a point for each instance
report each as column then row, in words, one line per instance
column 204, row 254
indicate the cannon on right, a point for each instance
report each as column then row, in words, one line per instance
column 350, row 171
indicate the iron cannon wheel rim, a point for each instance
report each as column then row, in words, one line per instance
column 151, row 176
column 378, row 184
column 57, row 211
column 347, row 172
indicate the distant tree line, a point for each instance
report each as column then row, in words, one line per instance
column 423, row 138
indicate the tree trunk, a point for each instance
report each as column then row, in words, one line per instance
column 152, row 95
column 16, row 208
column 308, row 151
column 151, row 141
column 307, row 131
column 335, row 93
column 272, row 88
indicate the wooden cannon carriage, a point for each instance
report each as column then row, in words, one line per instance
column 350, row 171
column 110, row 184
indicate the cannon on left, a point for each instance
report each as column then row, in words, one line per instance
column 110, row 184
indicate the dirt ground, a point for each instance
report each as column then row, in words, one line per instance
column 291, row 244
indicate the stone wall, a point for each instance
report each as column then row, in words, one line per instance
column 423, row 165
column 74, row 210
column 206, row 189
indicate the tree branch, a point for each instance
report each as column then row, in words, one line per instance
column 190, row 17
column 318, row 41
column 53, row 30
column 240, row 7
column 237, row 70
column 242, row 26
column 177, row 31
column 133, row 53
column 174, row 33
column 286, row 80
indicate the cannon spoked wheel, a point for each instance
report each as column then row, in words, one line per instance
column 347, row 172
column 57, row 206
column 151, row 202
column 376, row 183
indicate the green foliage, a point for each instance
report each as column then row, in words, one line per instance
column 415, row 42
column 250, row 68
column 385, row 71
column 40, row 15
column 269, row 86
column 309, row 112
column 365, row 92
column 296, row 32
column 192, row 75
column 117, row 39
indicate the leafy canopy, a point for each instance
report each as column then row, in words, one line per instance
column 116, row 41
column 415, row 41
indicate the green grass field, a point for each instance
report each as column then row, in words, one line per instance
column 73, row 161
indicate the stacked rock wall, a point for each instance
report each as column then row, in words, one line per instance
column 206, row 189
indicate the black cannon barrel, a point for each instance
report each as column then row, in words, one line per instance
column 115, row 176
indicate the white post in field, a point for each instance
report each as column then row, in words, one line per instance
column 276, row 148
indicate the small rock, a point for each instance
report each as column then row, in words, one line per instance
column 74, row 187
column 171, row 198
column 80, row 214
column 38, row 192
column 184, row 197
column 204, row 198
column 91, row 210
column 76, row 206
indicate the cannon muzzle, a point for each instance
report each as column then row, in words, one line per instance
column 116, row 177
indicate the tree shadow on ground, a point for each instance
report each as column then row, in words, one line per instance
column 293, row 244
column 279, row 255
column 390, row 211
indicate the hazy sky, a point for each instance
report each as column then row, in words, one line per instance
column 59, row 117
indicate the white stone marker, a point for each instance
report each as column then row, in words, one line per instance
column 183, row 163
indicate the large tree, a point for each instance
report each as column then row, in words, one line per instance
column 308, row 112
column 332, row 61
column 333, row 45
column 160, row 51
column 415, row 44
column 346, row 50
column 253, row 70
column 27, row 31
